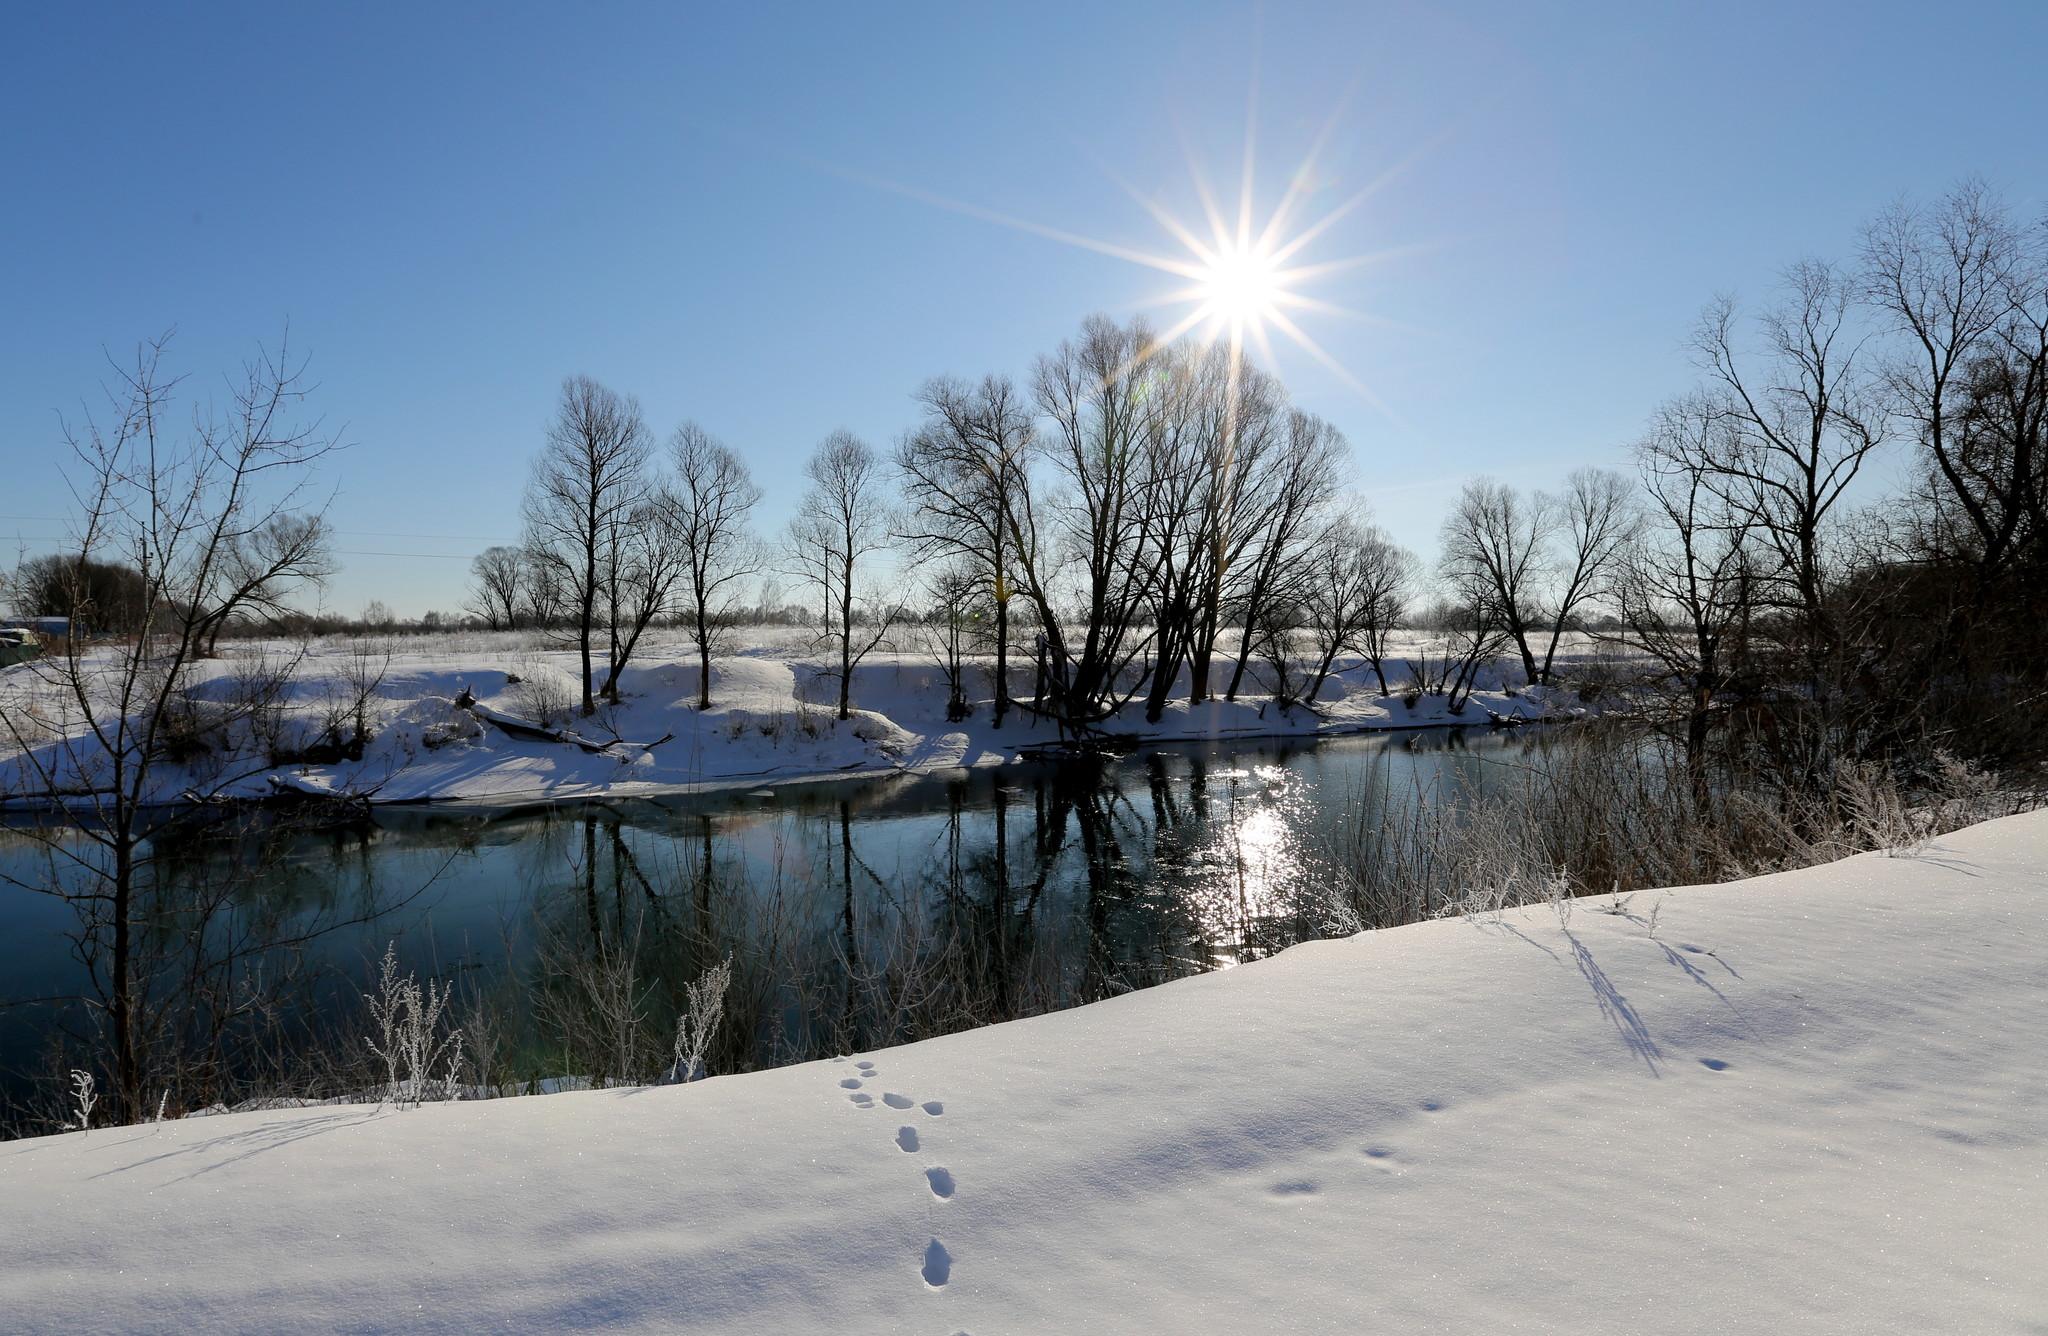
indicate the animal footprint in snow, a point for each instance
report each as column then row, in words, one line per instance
column 862, row 1100
column 938, row 1265
column 941, row 1181
column 897, row 1101
column 850, row 1083
column 867, row 1068
column 934, row 1107
column 906, row 1139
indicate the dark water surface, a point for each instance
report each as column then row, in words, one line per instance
column 855, row 913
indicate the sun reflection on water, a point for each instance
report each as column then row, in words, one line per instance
column 1250, row 868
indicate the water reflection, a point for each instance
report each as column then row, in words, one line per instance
column 855, row 914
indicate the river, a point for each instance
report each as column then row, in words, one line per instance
column 856, row 913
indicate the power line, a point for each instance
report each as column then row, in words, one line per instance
column 352, row 533
column 339, row 551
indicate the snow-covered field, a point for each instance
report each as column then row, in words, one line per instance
column 771, row 720
column 1812, row 1102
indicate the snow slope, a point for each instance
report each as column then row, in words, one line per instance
column 1812, row 1102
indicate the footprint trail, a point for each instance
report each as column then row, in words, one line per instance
column 937, row 1265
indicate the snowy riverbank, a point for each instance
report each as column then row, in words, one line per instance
column 766, row 725
column 1816, row 1101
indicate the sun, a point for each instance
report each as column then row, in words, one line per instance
column 1241, row 276
column 1241, row 286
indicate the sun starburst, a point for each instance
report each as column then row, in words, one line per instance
column 1242, row 279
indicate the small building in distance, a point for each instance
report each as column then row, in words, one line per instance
column 47, row 628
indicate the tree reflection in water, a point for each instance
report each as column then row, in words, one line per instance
column 855, row 915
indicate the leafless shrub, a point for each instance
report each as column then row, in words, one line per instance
column 83, row 1097
column 1604, row 811
column 345, row 725
column 544, row 695
column 703, row 1008
column 410, row 1037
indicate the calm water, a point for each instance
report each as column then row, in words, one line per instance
column 856, row 914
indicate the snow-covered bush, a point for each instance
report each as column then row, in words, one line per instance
column 83, row 1097
column 704, row 1007
column 410, row 1035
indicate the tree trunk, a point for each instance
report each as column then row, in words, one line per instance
column 846, row 638
column 1522, row 644
column 583, row 635
column 1244, row 656
column 1161, row 685
column 1696, row 746
column 1315, row 683
column 127, row 1068
column 703, row 662
column 1198, row 674
column 1002, row 659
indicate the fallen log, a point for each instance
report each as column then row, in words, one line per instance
column 520, row 728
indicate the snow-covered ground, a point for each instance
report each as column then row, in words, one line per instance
column 772, row 719
column 1811, row 1102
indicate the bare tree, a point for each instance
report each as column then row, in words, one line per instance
column 1295, row 493
column 547, row 596
column 1099, row 396
column 1353, row 590
column 588, row 480
column 840, row 526
column 1596, row 515
column 1966, row 292
column 1685, row 585
column 1263, row 471
column 98, row 597
column 1494, row 548
column 1802, row 422
column 1175, row 477
column 177, row 509
column 1474, row 634
column 964, row 474
column 956, row 593
column 259, row 570
column 500, row 593
column 712, row 499
column 646, row 562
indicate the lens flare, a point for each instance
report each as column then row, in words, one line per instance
column 1241, row 286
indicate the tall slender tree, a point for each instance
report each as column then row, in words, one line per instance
column 589, row 478
column 841, row 526
column 964, row 476
column 712, row 499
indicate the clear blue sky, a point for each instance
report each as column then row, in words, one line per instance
column 455, row 207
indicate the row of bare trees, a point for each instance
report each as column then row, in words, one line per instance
column 616, row 537
column 1161, row 519
column 1148, row 504
column 1772, row 581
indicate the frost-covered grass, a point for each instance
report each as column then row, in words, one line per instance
column 1807, row 1102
